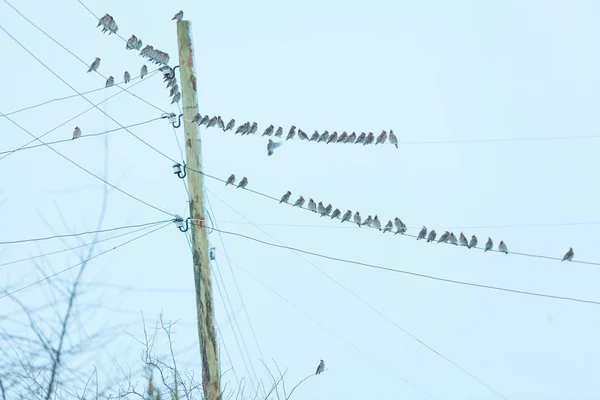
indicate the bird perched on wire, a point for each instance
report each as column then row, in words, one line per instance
column 489, row 245
column 422, row 233
column 243, row 183
column 220, row 124
column 431, row 236
column 212, row 122
column 327, row 210
column 315, row 136
column 502, row 247
column 131, row 43
column 323, row 137
column 109, row 82
column 568, row 255
column 242, row 128
column 452, row 239
column 204, row 120
column 229, row 126
column 357, row 219
column 269, row 130
column 346, row 217
column 126, row 77
column 320, row 208
column 351, row 138
column 285, row 197
column 176, row 98
column 253, row 129
column 312, row 206
column 336, row 213
column 370, row 138
column 368, row 221
column 299, row 202
column 104, row 20
column 174, row 90
column 444, row 238
column 279, row 132
column 342, row 137
column 393, row 139
column 230, row 180
column 94, row 66
column 400, row 226
column 144, row 71
column 463, row 240
column 178, row 17
column 473, row 242
column 76, row 133
column 320, row 368
column 388, row 226
column 196, row 118
column 376, row 223
column 361, row 138
column 291, row 133
column 271, row 146
column 302, row 135
column 332, row 138
column 381, row 138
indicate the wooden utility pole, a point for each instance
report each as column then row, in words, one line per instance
column 211, row 377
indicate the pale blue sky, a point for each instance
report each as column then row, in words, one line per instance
column 431, row 71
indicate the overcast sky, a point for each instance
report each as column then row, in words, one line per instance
column 474, row 78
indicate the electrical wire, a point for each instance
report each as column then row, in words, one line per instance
column 80, row 60
column 7, row 294
column 83, row 233
column 25, row 147
column 481, row 382
column 76, row 247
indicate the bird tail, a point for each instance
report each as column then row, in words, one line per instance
column 396, row 146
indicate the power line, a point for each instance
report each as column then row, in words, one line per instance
column 83, row 233
column 76, row 247
column 25, row 147
column 74, row 55
column 7, row 294
column 453, row 281
column 282, row 245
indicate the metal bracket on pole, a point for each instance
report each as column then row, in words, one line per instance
column 173, row 119
column 178, row 221
column 177, row 170
column 171, row 74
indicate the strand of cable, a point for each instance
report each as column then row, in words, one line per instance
column 239, row 292
column 91, row 173
column 69, row 120
column 25, row 147
column 382, row 315
column 78, row 58
column 337, row 336
column 416, row 274
column 66, row 235
column 403, row 227
column 7, row 294
column 74, row 95
column 76, row 247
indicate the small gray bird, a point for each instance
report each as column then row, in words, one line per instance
column 463, row 240
column 320, row 368
column 291, row 133
column 381, row 138
column 388, row 226
column 243, row 183
column 312, row 206
column 285, row 197
column 321, row 208
column 393, row 139
column 376, row 223
column 171, row 83
column 230, row 180
column 131, row 42
column 271, row 146
column 110, row 82
column 174, row 90
column 229, row 126
column 568, row 255
column 357, row 218
column 178, row 17
column 143, row 71
column 220, row 124
column 302, row 135
column 76, row 133
column 400, row 226
column 431, row 236
column 242, row 128
column 212, row 122
column 422, row 233
column 452, row 239
column 444, row 238
column 315, row 136
column 489, row 245
column 342, row 137
column 269, row 130
column 473, row 242
column 279, row 132
column 176, row 98
column 370, row 138
column 347, row 216
column 332, row 138
column 126, row 77
column 327, row 210
column 323, row 137
column 253, row 129
column 299, row 202
column 368, row 221
column 351, row 138
column 196, row 118
column 502, row 247
column 94, row 66
column 336, row 213
column 361, row 138
column 204, row 120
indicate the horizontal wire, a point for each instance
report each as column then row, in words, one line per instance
column 84, row 233
column 373, row 266
column 74, row 248
column 7, row 294
column 25, row 147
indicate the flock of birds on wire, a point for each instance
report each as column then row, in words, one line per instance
column 374, row 222
column 326, row 137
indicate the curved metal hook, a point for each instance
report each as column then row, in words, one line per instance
column 178, row 121
column 179, row 173
column 171, row 75
column 179, row 223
